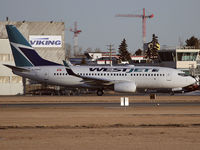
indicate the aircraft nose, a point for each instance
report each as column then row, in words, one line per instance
column 191, row 80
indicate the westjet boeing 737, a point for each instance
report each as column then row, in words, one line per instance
column 118, row 78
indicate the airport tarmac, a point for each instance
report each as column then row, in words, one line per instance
column 31, row 123
column 99, row 99
column 95, row 104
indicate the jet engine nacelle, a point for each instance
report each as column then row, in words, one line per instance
column 125, row 87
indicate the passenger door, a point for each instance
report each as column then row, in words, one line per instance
column 169, row 77
column 46, row 75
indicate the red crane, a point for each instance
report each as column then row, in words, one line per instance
column 75, row 30
column 76, row 33
column 144, row 17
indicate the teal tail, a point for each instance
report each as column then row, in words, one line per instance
column 23, row 53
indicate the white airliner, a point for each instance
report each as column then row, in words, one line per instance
column 118, row 78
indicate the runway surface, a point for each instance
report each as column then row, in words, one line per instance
column 91, row 104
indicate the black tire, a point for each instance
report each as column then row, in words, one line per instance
column 100, row 92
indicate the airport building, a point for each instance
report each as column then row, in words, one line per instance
column 104, row 58
column 40, row 36
column 184, row 59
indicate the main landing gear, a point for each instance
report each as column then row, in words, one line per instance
column 100, row 92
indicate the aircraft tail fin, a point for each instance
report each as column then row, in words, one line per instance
column 23, row 53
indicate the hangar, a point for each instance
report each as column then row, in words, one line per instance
column 48, row 38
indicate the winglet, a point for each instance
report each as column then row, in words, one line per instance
column 67, row 63
column 68, row 69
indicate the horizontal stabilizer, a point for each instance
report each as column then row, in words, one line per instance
column 16, row 68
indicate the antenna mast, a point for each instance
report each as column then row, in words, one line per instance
column 76, row 33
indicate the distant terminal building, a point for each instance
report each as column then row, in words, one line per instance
column 46, row 37
column 104, row 58
column 183, row 59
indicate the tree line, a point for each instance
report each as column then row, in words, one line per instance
column 153, row 47
column 151, row 52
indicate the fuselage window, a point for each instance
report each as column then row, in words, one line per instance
column 107, row 74
column 54, row 74
column 154, row 74
column 60, row 73
column 125, row 74
column 157, row 74
column 145, row 74
column 151, row 74
column 66, row 74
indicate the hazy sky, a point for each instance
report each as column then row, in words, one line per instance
column 174, row 19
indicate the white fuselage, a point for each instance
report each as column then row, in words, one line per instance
column 142, row 76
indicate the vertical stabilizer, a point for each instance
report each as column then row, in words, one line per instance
column 23, row 53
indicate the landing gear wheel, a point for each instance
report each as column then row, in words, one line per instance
column 172, row 93
column 100, row 92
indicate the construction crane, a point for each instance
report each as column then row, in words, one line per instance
column 144, row 17
column 76, row 33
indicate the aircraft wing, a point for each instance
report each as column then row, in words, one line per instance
column 90, row 80
column 96, row 81
column 14, row 68
column 86, row 79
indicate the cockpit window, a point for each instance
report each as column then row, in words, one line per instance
column 182, row 74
